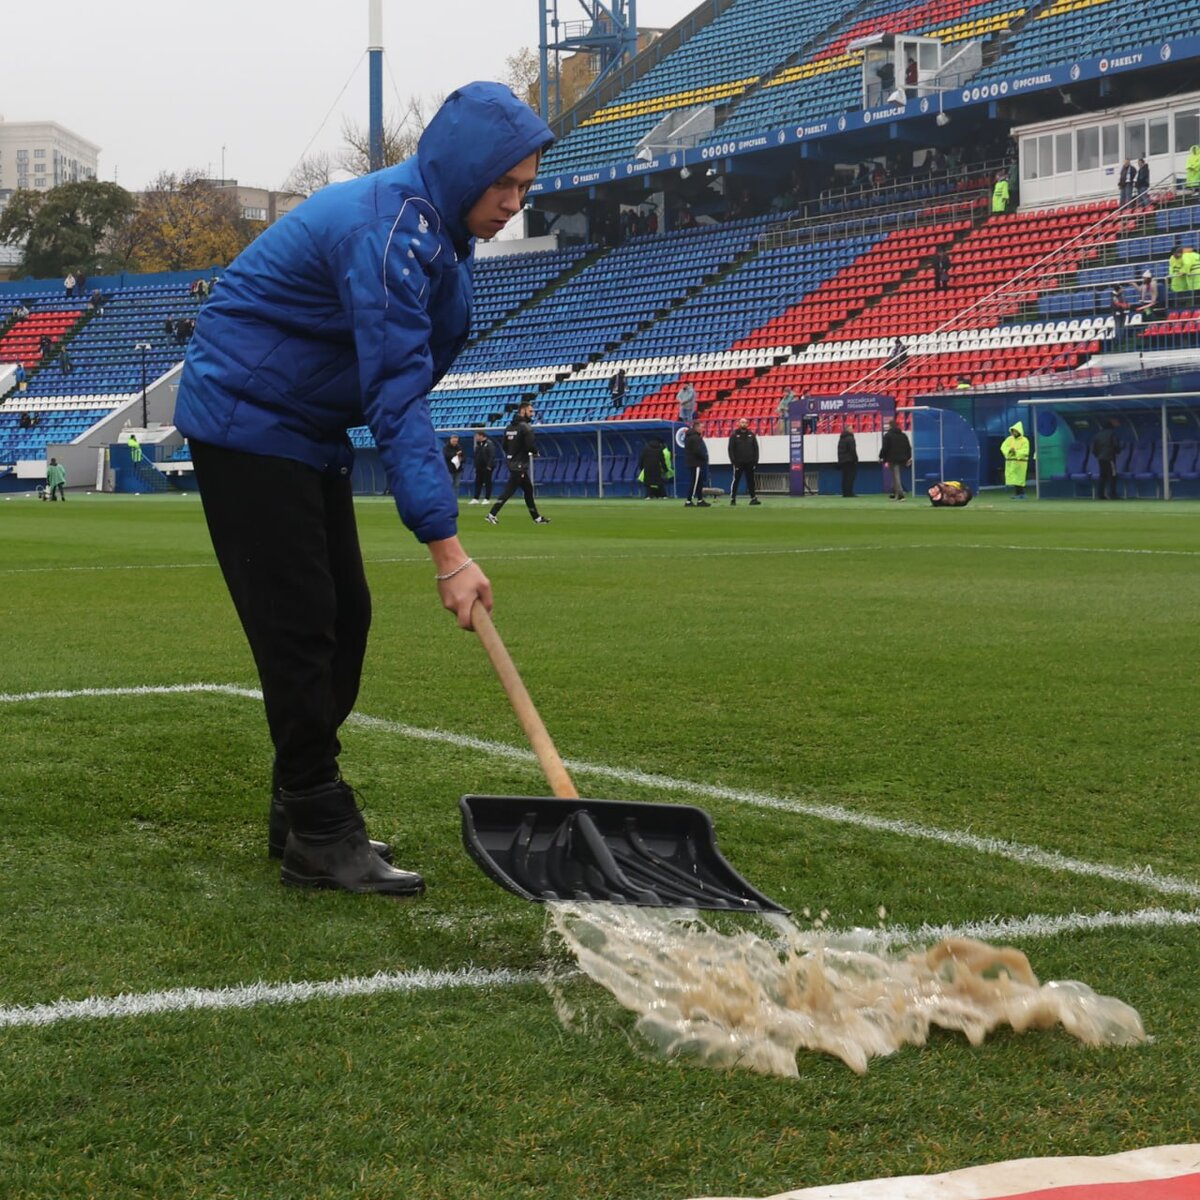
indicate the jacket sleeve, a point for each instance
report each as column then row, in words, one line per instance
column 386, row 281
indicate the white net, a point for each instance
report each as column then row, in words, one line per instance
column 743, row 1000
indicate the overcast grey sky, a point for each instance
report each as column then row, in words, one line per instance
column 176, row 84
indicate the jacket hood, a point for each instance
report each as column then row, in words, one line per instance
column 1017, row 428
column 480, row 132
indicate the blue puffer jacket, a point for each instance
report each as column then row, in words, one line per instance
column 353, row 306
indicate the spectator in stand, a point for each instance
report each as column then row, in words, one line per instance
column 616, row 389
column 81, row 284
column 886, row 74
column 69, row 285
column 26, row 421
column 910, row 77
column 743, row 457
column 1105, row 447
column 1125, row 181
column 847, row 460
column 1192, row 170
column 1182, row 268
column 45, row 345
column 19, row 377
column 64, row 361
column 485, row 465
column 941, row 271
column 97, row 300
column 964, row 381
column 1120, row 308
column 895, row 452
column 1000, row 194
column 898, row 356
column 687, row 404
column 1149, row 297
column 1141, row 183
column 20, row 311
column 785, row 410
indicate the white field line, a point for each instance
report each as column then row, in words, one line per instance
column 252, row 995
column 247, row 996
column 1032, row 856
column 680, row 555
column 259, row 994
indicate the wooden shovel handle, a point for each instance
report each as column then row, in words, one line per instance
column 552, row 766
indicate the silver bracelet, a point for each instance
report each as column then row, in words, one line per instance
column 462, row 566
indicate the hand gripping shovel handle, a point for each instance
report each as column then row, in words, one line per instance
column 543, row 746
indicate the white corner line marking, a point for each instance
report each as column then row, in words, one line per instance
column 1033, row 856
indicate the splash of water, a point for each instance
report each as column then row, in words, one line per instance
column 744, row 1000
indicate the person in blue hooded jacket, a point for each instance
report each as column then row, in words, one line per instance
column 347, row 311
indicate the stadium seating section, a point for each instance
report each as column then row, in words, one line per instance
column 742, row 310
column 763, row 64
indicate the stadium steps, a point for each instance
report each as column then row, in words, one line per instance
column 996, row 47
column 804, row 54
column 537, row 297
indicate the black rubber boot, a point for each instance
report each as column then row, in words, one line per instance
column 279, row 823
column 328, row 847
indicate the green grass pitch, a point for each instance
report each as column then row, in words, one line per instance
column 978, row 719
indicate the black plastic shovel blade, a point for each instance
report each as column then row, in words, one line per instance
column 656, row 855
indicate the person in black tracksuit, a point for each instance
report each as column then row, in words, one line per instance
column 1105, row 448
column 485, row 464
column 895, row 452
column 520, row 446
column 743, row 456
column 847, row 458
column 696, row 456
column 455, row 455
column 655, row 465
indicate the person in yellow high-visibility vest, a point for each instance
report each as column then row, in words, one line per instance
column 1015, row 449
column 135, row 449
column 1000, row 195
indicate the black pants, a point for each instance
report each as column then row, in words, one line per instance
column 1108, row 480
column 849, row 474
column 517, row 479
column 286, row 540
column 699, row 478
column 740, row 473
column 483, row 483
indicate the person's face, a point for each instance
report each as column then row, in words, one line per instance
column 526, row 412
column 503, row 199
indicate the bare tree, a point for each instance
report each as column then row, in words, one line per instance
column 400, row 136
column 310, row 174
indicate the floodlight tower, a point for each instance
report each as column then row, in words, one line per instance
column 375, row 66
column 609, row 32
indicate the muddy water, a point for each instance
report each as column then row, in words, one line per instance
column 756, row 1000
